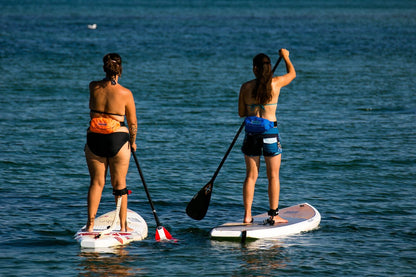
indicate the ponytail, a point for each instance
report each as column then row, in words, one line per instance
column 263, row 90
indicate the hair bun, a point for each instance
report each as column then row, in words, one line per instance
column 112, row 64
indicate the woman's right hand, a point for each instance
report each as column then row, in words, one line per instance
column 284, row 53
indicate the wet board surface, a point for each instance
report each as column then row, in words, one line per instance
column 301, row 217
column 115, row 237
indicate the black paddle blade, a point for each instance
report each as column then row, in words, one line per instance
column 198, row 206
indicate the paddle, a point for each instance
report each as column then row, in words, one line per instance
column 161, row 233
column 198, row 206
column 275, row 66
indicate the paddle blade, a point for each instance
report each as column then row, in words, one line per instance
column 198, row 206
column 162, row 234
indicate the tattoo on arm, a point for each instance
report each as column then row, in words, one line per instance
column 133, row 132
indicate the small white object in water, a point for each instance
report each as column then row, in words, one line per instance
column 92, row 26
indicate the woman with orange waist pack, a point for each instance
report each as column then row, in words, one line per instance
column 108, row 138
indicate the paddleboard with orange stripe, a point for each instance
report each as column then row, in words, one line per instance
column 100, row 239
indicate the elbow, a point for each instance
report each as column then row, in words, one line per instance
column 132, row 122
column 293, row 73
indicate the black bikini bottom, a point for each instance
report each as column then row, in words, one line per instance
column 106, row 145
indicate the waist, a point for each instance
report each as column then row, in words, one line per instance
column 104, row 125
column 121, row 123
column 265, row 133
column 255, row 117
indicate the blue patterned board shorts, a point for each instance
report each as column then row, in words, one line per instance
column 267, row 143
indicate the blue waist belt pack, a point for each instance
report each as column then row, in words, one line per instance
column 254, row 124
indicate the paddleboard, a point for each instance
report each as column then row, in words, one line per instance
column 301, row 217
column 115, row 237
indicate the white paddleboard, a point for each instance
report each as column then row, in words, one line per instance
column 302, row 218
column 115, row 237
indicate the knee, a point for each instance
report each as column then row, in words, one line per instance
column 274, row 179
column 251, row 177
column 273, row 173
column 119, row 184
column 97, row 182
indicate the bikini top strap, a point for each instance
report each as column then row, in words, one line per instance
column 95, row 111
column 252, row 106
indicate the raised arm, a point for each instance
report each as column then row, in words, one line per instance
column 284, row 80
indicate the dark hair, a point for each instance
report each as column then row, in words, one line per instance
column 112, row 65
column 262, row 92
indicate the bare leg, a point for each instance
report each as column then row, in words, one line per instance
column 273, row 169
column 119, row 165
column 252, row 172
column 97, row 167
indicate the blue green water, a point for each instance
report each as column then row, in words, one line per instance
column 347, row 124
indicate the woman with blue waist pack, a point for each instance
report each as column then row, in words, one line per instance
column 258, row 103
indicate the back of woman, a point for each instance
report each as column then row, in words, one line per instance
column 258, row 102
column 107, row 97
column 259, row 97
column 109, row 140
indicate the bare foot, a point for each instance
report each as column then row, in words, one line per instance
column 248, row 220
column 89, row 227
column 128, row 230
column 247, row 217
column 278, row 219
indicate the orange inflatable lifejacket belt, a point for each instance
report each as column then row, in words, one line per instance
column 104, row 125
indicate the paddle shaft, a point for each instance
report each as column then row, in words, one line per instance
column 147, row 191
column 226, row 154
column 277, row 63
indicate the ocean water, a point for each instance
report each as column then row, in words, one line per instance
column 347, row 123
